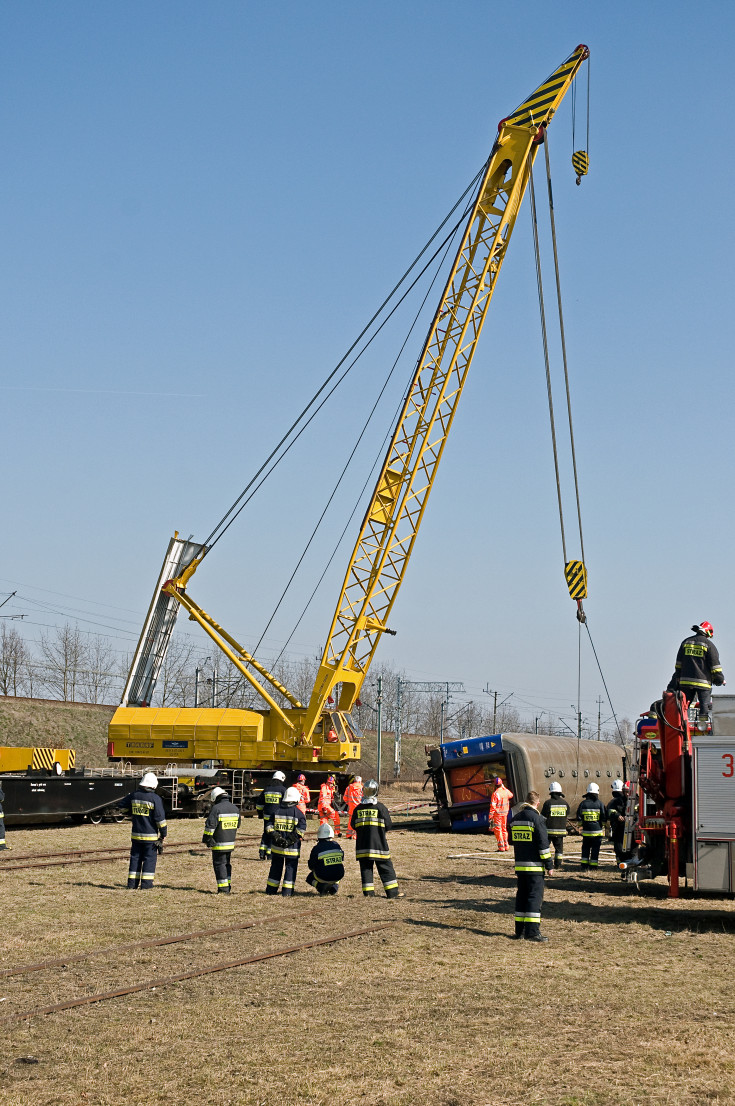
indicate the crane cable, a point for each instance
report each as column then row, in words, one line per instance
column 579, row 573
column 234, row 510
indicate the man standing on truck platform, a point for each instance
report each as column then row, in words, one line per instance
column 148, row 832
column 591, row 814
column 532, row 857
column 555, row 813
column 697, row 668
column 499, row 807
column 220, row 831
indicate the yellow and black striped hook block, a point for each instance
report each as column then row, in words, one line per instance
column 575, row 575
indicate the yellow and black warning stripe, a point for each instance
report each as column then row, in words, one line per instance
column 580, row 162
column 575, row 575
column 536, row 108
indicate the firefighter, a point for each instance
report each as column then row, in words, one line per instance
column 532, row 854
column 697, row 668
column 353, row 797
column 592, row 815
column 3, row 843
column 370, row 821
column 326, row 808
column 499, row 807
column 555, row 813
column 286, row 832
column 303, row 789
column 148, row 832
column 326, row 862
column 220, row 831
column 616, row 817
column 266, row 806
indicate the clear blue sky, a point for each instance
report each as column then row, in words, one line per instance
column 202, row 204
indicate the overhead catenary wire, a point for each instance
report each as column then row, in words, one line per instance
column 231, row 514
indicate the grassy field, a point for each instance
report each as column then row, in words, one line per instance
column 631, row 1002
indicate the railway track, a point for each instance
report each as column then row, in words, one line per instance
column 166, row 981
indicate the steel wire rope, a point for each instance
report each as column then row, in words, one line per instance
column 228, row 518
column 545, row 337
column 206, row 546
column 359, row 439
column 562, row 335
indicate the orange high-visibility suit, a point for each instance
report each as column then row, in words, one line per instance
column 325, row 807
column 353, row 797
column 499, row 807
column 305, row 799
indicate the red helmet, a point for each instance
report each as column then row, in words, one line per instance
column 302, row 778
column 705, row 628
column 330, row 779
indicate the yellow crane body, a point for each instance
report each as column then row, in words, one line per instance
column 316, row 734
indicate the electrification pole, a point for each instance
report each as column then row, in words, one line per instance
column 380, row 721
column 397, row 748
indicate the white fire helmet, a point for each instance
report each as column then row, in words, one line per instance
column 325, row 832
column 217, row 793
column 293, row 795
column 593, row 789
column 279, row 776
column 555, row 788
column 150, row 779
column 358, row 779
column 617, row 785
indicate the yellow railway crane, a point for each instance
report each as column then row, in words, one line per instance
column 315, row 735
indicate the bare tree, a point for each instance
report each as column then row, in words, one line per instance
column 176, row 681
column 13, row 655
column 99, row 677
column 64, row 657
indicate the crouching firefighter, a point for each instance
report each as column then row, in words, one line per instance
column 266, row 807
column 220, row 831
column 370, row 821
column 326, row 862
column 532, row 857
column 289, row 826
column 148, row 832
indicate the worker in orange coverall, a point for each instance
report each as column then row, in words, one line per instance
column 325, row 806
column 303, row 788
column 499, row 807
column 353, row 797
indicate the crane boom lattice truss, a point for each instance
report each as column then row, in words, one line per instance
column 394, row 515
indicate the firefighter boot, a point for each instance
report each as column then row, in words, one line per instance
column 533, row 933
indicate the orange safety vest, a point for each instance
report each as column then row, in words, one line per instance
column 303, row 789
column 326, row 795
column 353, row 794
column 500, row 803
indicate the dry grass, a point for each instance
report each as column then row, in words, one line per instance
column 78, row 726
column 631, row 1002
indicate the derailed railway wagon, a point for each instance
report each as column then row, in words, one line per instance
column 43, row 795
column 462, row 773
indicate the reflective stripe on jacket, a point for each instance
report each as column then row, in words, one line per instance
column 697, row 664
column 149, row 817
column 592, row 815
column 530, row 840
column 221, row 826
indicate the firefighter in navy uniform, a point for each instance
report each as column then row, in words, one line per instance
column 326, row 862
column 220, row 831
column 697, row 668
column 530, row 843
column 286, row 832
column 616, row 817
column 270, row 798
column 555, row 812
column 591, row 815
column 370, row 821
column 148, row 833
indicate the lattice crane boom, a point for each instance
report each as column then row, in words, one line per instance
column 392, row 520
